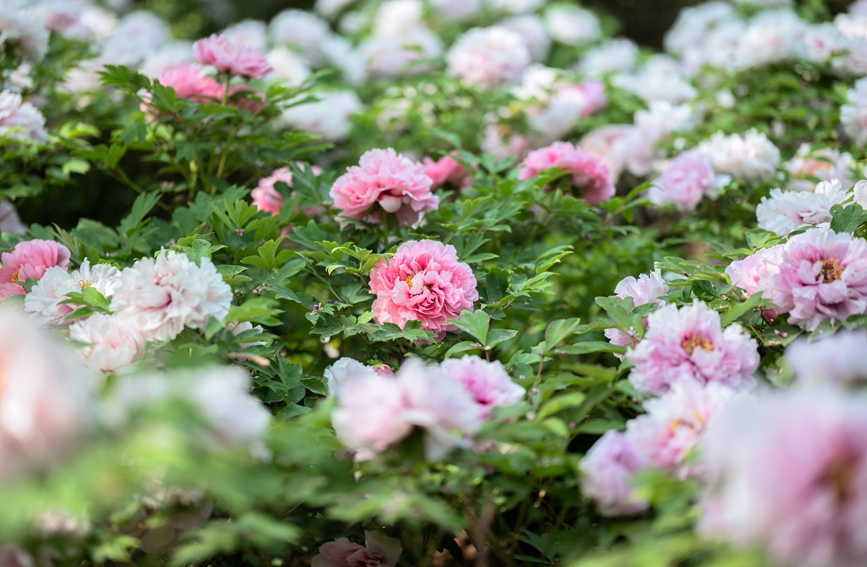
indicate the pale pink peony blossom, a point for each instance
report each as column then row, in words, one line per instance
column 488, row 57
column 839, row 359
column 823, row 275
column 30, row 260
column 163, row 295
column 614, row 55
column 498, row 139
column 688, row 179
column 783, row 212
column 9, row 220
column 788, row 472
column 689, row 344
column 445, row 170
column 532, row 30
column 370, row 414
column 647, row 288
column 751, row 157
column 488, row 382
column 826, row 164
column 346, row 369
column 23, row 31
column 232, row 58
column 20, row 120
column 330, row 117
column 424, row 281
column 265, row 195
column 385, row 178
column 587, row 173
column 378, row 551
column 572, row 25
column 611, row 145
column 44, row 300
column 190, row 81
column 675, row 425
column 755, row 273
column 853, row 114
column 111, row 342
column 607, row 472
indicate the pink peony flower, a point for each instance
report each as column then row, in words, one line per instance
column 647, row 288
column 588, row 173
column 689, row 344
column 378, row 551
column 8, row 290
column 838, row 359
column 676, row 423
column 370, row 414
column 789, row 472
column 488, row 382
column 606, row 473
column 823, row 275
column 445, row 170
column 783, row 212
column 190, row 81
column 265, row 195
column 384, row 177
column 755, row 273
column 231, row 58
column 346, row 369
column 424, row 281
column 488, row 57
column 611, row 145
column 29, row 260
column 25, row 119
column 687, row 179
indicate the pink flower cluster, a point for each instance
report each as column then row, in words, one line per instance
column 385, row 178
column 647, row 288
column 377, row 551
column 231, row 58
column 191, row 82
column 446, row 170
column 424, row 281
column 688, row 179
column 789, row 472
column 588, row 174
column 29, row 260
column 448, row 402
column 265, row 195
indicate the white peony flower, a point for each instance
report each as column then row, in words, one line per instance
column 610, row 57
column 456, row 10
column 751, row 157
column 287, row 67
column 391, row 56
column 771, row 37
column 330, row 9
column 299, row 30
column 249, row 33
column 166, row 57
column 330, row 117
column 693, row 23
column 824, row 164
column 338, row 51
column 572, row 24
column 20, row 120
column 112, row 341
column 44, row 300
column 23, row 30
column 162, row 295
column 488, row 57
column 343, row 370
column 853, row 114
column 9, row 220
column 532, row 31
column 397, row 18
column 785, row 211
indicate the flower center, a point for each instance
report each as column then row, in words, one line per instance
column 15, row 276
column 696, row 427
column 831, row 270
column 841, row 478
column 84, row 283
column 695, row 341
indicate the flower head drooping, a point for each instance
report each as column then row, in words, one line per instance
column 789, row 472
column 488, row 57
column 424, row 281
column 687, row 179
column 648, row 287
column 228, row 57
column 823, row 275
column 30, row 260
column 606, row 474
column 44, row 300
column 588, row 174
column 378, row 551
column 838, row 359
column 385, row 178
column 163, row 295
column 487, row 382
column 689, row 344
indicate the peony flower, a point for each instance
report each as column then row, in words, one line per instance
column 572, row 24
column 838, row 359
column 825, row 164
column 301, row 30
column 853, row 114
column 20, row 120
column 788, row 472
column 111, row 342
column 443, row 171
column 675, row 424
column 378, row 551
column 488, row 57
column 693, row 24
column 688, row 178
column 689, row 344
column 161, row 296
column 232, row 58
column 488, row 382
column 385, row 178
column 24, row 31
column 532, row 30
column 771, row 37
column 783, row 212
column 340, row 53
column 587, row 173
column 30, row 259
column 168, row 56
column 456, row 10
column 751, row 157
column 346, row 369
column 330, row 117
column 47, row 398
column 396, row 18
column 660, row 79
column 10, row 222
column 606, row 475
column 648, row 287
column 756, row 272
column 426, row 282
column 44, row 300
column 614, row 55
column 611, row 145
column 823, row 275
column 247, row 33
column 394, row 56
column 190, row 81
column 500, row 141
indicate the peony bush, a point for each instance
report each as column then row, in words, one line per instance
column 425, row 283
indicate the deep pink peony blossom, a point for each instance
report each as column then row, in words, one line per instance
column 488, row 382
column 378, row 551
column 446, row 170
column 29, row 260
column 689, row 177
column 268, row 199
column 647, row 288
column 228, row 57
column 190, row 81
column 823, row 275
column 689, row 344
column 384, row 177
column 588, row 173
column 789, row 472
column 424, row 281
column 606, row 474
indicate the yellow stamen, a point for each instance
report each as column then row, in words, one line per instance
column 831, row 270
column 693, row 342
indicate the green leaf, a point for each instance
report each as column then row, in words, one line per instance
column 847, row 219
column 591, row 346
column 559, row 329
column 557, row 404
column 475, row 323
column 140, row 208
column 739, row 309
